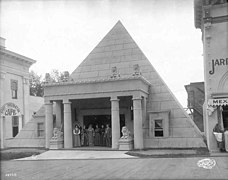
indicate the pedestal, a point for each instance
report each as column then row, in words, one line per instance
column 56, row 144
column 125, row 144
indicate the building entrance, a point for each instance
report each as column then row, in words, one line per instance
column 225, row 117
column 101, row 120
column 96, row 120
column 99, row 138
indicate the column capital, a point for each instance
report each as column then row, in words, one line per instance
column 66, row 101
column 114, row 99
column 137, row 98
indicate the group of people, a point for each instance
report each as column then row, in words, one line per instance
column 100, row 136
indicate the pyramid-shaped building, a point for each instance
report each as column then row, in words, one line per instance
column 117, row 85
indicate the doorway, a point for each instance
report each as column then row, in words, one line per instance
column 101, row 120
column 225, row 117
column 15, row 125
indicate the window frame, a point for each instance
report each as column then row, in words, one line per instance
column 158, row 129
column 159, row 115
column 14, row 88
column 40, row 131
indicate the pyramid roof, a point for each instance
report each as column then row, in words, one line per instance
column 118, row 49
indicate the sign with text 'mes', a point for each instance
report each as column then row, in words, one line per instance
column 218, row 102
column 10, row 109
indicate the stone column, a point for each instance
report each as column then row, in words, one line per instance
column 58, row 114
column 2, row 131
column 115, row 122
column 68, row 140
column 48, row 122
column 26, row 99
column 138, row 132
column 20, row 122
column 144, row 111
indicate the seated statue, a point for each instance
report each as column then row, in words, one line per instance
column 125, row 132
column 57, row 134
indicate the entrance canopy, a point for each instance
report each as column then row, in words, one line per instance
column 131, row 86
column 113, row 89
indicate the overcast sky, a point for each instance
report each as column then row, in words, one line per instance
column 59, row 34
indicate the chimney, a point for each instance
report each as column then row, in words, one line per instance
column 2, row 43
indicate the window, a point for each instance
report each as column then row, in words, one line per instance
column 40, row 129
column 158, row 128
column 159, row 124
column 15, row 123
column 14, row 87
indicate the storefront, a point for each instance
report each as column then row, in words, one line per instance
column 212, row 18
column 221, row 107
column 117, row 85
column 16, row 104
column 10, row 112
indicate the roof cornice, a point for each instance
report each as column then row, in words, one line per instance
column 17, row 56
column 72, row 82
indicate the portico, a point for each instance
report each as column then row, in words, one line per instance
column 109, row 93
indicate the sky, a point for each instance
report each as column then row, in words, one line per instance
column 59, row 34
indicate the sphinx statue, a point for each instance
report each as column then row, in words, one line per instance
column 125, row 133
column 57, row 134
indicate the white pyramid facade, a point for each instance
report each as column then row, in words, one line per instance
column 118, row 49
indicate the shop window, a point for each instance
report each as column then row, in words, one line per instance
column 15, row 124
column 225, row 117
column 14, row 88
column 159, row 124
column 40, row 129
column 158, row 128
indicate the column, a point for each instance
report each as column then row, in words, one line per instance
column 144, row 111
column 115, row 122
column 2, row 131
column 26, row 99
column 20, row 122
column 58, row 114
column 48, row 122
column 138, row 133
column 68, row 141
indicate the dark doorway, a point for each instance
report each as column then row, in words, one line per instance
column 15, row 124
column 225, row 117
column 101, row 119
column 96, row 119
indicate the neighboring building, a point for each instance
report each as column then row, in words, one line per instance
column 117, row 85
column 16, row 105
column 211, row 16
column 196, row 96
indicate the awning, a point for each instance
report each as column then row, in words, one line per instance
column 218, row 102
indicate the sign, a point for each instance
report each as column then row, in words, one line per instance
column 218, row 62
column 218, row 102
column 10, row 109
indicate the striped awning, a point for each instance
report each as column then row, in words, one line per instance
column 218, row 102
